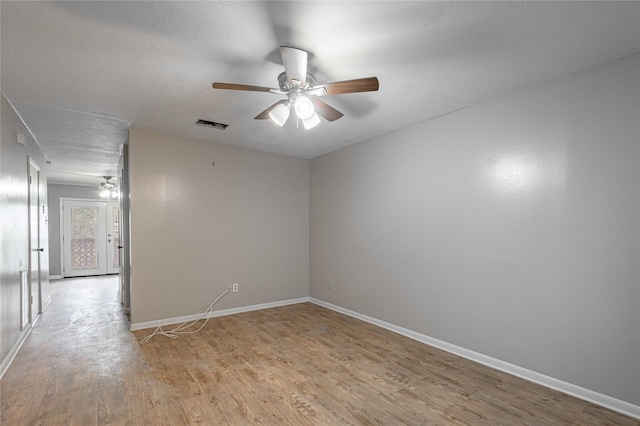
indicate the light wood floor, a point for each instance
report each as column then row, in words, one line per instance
column 294, row 365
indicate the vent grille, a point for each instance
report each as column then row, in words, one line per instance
column 207, row 123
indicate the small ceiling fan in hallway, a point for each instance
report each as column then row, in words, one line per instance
column 301, row 91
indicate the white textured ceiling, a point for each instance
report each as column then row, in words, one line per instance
column 81, row 73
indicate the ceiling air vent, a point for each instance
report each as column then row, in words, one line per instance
column 213, row 124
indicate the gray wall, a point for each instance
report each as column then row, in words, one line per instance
column 57, row 191
column 510, row 228
column 195, row 227
column 14, row 226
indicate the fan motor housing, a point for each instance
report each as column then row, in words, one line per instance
column 287, row 86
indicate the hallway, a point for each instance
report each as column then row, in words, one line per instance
column 64, row 370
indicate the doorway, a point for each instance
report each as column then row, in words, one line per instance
column 90, row 237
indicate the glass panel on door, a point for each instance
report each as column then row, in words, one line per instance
column 84, row 235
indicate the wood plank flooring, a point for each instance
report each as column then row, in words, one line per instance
column 293, row 365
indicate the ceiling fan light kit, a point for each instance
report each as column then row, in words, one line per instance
column 304, row 107
column 311, row 122
column 280, row 114
column 302, row 92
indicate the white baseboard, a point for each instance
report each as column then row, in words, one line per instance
column 559, row 385
column 6, row 362
column 213, row 314
column 46, row 303
column 55, row 277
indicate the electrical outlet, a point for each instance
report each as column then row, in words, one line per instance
column 330, row 285
column 234, row 288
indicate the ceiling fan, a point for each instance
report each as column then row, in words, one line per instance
column 302, row 92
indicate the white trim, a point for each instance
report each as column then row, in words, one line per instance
column 31, row 163
column 559, row 385
column 213, row 314
column 55, row 277
column 6, row 362
column 61, row 236
column 46, row 303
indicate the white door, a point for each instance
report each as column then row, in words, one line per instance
column 34, row 244
column 88, row 238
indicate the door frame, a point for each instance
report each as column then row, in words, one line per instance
column 62, row 228
column 34, row 279
column 113, row 247
column 125, row 265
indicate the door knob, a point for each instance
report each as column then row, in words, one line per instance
column 120, row 247
column 38, row 249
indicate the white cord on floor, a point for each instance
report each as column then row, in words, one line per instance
column 172, row 334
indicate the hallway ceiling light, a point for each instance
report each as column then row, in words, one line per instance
column 108, row 189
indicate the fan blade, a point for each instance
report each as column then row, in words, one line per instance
column 328, row 112
column 231, row 86
column 369, row 84
column 265, row 114
column 295, row 64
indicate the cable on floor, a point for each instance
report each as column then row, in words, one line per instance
column 182, row 328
